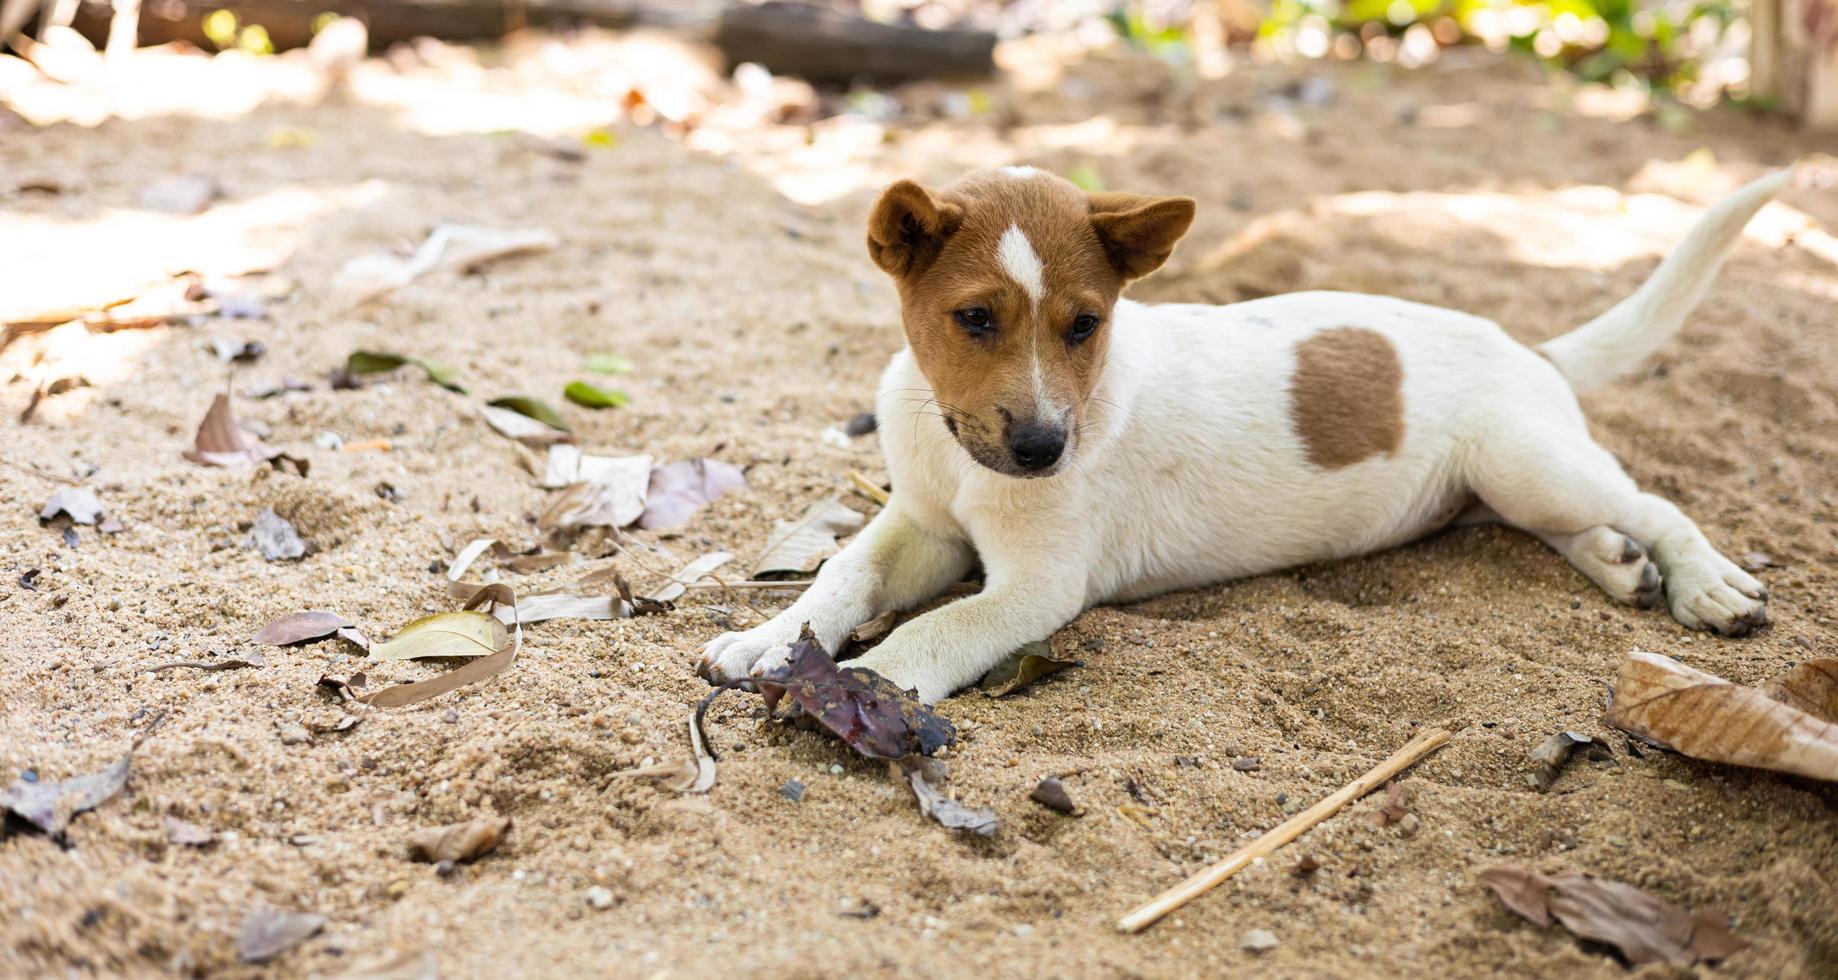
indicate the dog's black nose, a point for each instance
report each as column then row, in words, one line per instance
column 1036, row 446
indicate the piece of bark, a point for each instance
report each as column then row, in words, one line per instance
column 828, row 47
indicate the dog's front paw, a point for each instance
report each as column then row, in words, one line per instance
column 732, row 656
column 1718, row 597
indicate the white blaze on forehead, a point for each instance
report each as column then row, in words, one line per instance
column 1020, row 173
column 1021, row 263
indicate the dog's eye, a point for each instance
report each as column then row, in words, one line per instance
column 974, row 319
column 1084, row 326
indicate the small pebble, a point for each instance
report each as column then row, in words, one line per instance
column 451, row 717
column 1051, row 793
column 792, row 790
column 835, row 770
column 1249, row 763
column 600, row 898
column 1258, row 941
column 1409, row 825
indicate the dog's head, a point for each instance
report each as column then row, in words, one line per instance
column 1007, row 280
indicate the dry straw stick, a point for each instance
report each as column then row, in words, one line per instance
column 1203, row 880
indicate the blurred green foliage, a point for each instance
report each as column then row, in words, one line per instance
column 1687, row 48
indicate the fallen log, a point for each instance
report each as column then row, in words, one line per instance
column 289, row 23
column 829, row 48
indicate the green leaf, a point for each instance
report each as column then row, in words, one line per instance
column 376, row 362
column 584, row 394
column 453, row 634
column 441, row 375
column 604, row 362
column 531, row 408
column 373, row 362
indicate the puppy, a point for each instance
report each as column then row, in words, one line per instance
column 1085, row 448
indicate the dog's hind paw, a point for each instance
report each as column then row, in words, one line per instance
column 1718, row 597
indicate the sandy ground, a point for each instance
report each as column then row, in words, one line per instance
column 755, row 322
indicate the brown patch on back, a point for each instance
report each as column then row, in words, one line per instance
column 1347, row 396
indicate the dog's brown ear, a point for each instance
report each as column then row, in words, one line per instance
column 1139, row 231
column 908, row 228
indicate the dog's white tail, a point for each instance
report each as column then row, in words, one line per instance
column 1618, row 341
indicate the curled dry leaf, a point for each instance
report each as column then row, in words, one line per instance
column 522, row 428
column 468, row 555
column 568, row 465
column 798, row 547
column 1549, row 757
column 862, row 708
column 222, row 441
column 51, row 806
column 269, row 932
column 1642, row 926
column 78, row 503
column 1783, row 727
column 1022, row 668
column 679, row 489
column 491, row 596
column 949, row 813
column 300, row 627
column 614, row 496
column 458, row 842
column 468, row 633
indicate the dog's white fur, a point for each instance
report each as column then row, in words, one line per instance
column 1188, row 471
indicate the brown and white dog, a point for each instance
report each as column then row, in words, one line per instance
column 1085, row 448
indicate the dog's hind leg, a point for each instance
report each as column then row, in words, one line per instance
column 1548, row 477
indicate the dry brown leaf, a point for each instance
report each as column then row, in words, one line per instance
column 1021, row 669
column 522, row 428
column 1549, row 757
column 51, row 806
column 1811, row 687
column 677, row 490
column 301, row 627
column 613, row 497
column 251, row 658
column 1707, row 717
column 798, row 547
column 458, row 842
column 222, row 441
column 1642, row 926
column 468, row 633
column 472, row 672
column 268, row 932
column 949, row 813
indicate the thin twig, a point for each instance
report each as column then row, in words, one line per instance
column 1206, row 878
column 869, row 488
